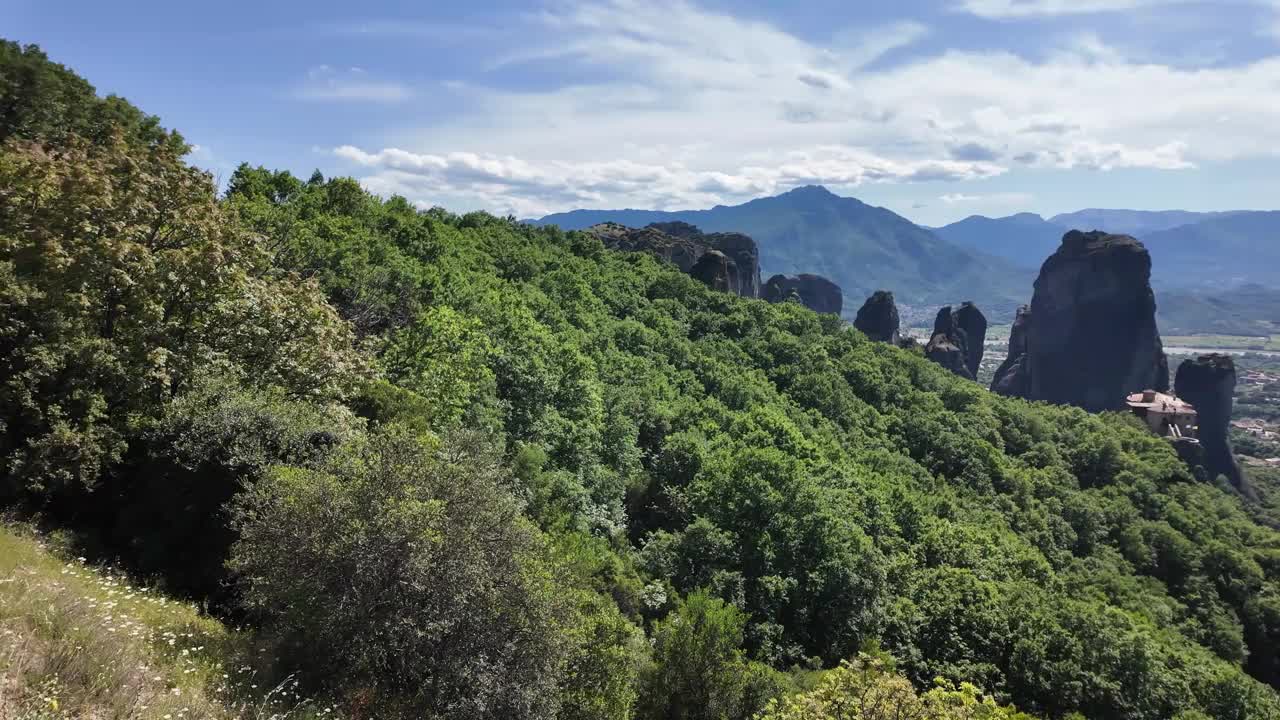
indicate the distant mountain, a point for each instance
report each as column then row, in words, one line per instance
column 1247, row 310
column 1219, row 252
column 860, row 247
column 1025, row 239
column 1211, row 251
column 1132, row 222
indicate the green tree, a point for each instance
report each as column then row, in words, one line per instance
column 407, row 568
column 120, row 280
column 700, row 671
column 443, row 357
column 43, row 101
column 868, row 688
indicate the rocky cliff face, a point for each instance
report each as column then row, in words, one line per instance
column 878, row 318
column 1208, row 382
column 739, row 248
column 1090, row 337
column 973, row 324
column 1013, row 376
column 735, row 266
column 957, row 340
column 814, row 291
column 678, row 251
column 717, row 271
column 949, row 344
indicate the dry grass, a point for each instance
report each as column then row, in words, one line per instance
column 81, row 642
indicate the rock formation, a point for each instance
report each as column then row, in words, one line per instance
column 957, row 340
column 1012, row 377
column 815, row 292
column 1208, row 382
column 1191, row 453
column 739, row 248
column 717, row 271
column 735, row 267
column 878, row 318
column 973, row 324
column 1090, row 338
column 949, row 344
column 678, row 251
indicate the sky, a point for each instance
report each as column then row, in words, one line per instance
column 936, row 109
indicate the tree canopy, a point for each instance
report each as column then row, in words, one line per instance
column 473, row 465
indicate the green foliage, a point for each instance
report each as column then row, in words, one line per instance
column 443, row 358
column 366, row 255
column 760, row 487
column 834, row 492
column 166, row 517
column 408, row 568
column 867, row 688
column 122, row 278
column 699, row 671
column 601, row 677
column 43, row 101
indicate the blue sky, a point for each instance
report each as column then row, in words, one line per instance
column 937, row 109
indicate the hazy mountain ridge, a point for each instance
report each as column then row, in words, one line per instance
column 1223, row 251
column 1025, row 238
column 1249, row 310
column 1209, row 250
column 1198, row 257
column 1217, row 274
column 1134, row 222
column 862, row 248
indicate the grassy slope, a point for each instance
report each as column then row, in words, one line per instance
column 76, row 641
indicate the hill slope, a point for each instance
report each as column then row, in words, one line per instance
column 82, row 642
column 556, row 481
column 860, row 247
column 1132, row 222
column 1025, row 239
column 1218, row 252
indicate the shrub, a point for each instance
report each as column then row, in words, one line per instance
column 168, row 518
column 405, row 566
column 867, row 688
column 699, row 670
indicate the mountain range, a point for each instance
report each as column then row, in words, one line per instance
column 1207, row 252
column 1198, row 257
column 860, row 247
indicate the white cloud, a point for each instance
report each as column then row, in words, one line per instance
column 688, row 107
column 1007, row 199
column 352, row 84
column 511, row 184
column 1002, row 9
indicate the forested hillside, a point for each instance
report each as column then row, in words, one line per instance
column 462, row 467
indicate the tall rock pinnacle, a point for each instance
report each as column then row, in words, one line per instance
column 1090, row 335
column 1208, row 382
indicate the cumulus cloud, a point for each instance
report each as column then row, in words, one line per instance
column 351, row 84
column 688, row 107
column 512, row 184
